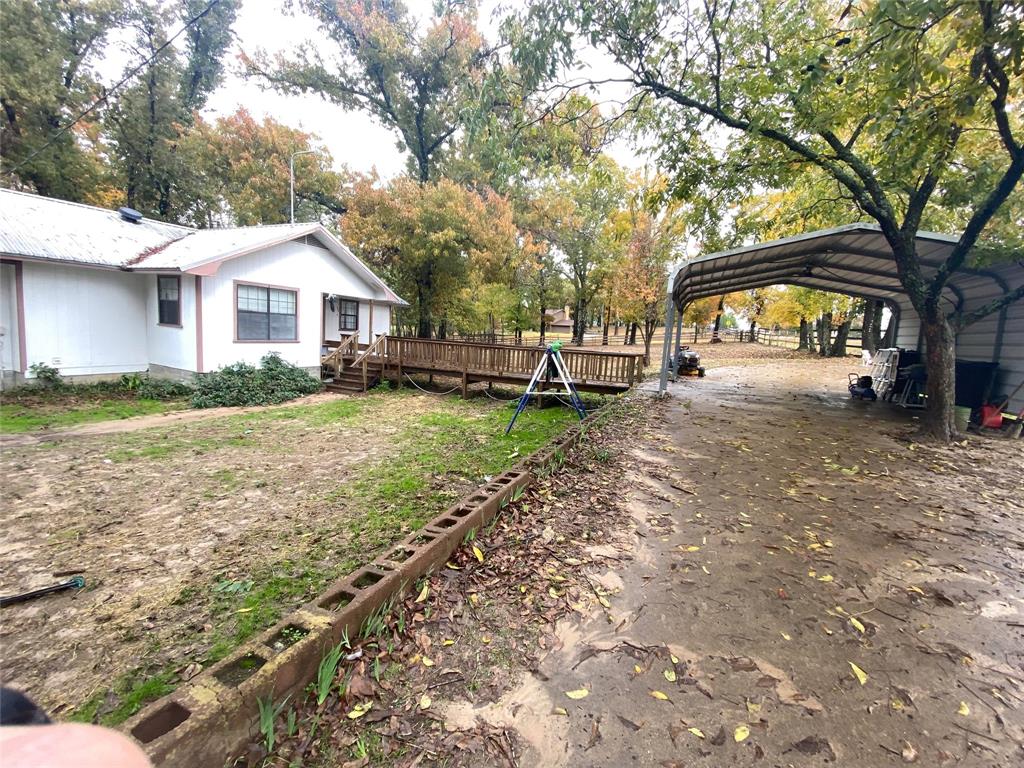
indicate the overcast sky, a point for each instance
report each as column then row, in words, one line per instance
column 354, row 139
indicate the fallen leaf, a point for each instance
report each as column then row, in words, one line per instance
column 478, row 553
column 670, row 675
column 741, row 733
column 964, row 709
column 785, row 636
column 425, row 702
column 561, row 711
column 659, row 695
column 696, row 732
column 909, row 753
column 862, row 676
column 674, row 658
column 423, row 593
column 359, row 710
column 857, row 625
column 579, row 693
column 427, row 662
column 447, row 641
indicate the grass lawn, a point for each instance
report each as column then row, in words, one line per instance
column 194, row 537
column 17, row 417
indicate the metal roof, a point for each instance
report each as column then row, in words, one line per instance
column 853, row 259
column 48, row 229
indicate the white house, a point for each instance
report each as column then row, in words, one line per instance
column 96, row 293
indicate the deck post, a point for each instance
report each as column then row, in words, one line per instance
column 398, row 343
column 465, row 373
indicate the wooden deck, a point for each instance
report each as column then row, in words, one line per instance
column 393, row 357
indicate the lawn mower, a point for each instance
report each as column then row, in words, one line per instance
column 861, row 387
column 687, row 362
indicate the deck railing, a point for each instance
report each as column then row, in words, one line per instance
column 499, row 359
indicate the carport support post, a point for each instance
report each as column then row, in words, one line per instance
column 670, row 308
column 679, row 329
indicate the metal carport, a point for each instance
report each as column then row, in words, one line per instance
column 856, row 260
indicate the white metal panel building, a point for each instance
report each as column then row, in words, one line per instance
column 93, row 293
column 856, row 260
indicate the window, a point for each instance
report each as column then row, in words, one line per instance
column 266, row 314
column 348, row 316
column 168, row 297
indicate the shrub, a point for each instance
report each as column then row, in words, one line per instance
column 162, row 389
column 47, row 375
column 275, row 381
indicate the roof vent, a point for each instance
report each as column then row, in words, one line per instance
column 130, row 214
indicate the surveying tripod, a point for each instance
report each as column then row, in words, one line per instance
column 551, row 364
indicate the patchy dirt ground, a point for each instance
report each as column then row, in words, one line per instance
column 197, row 533
column 754, row 572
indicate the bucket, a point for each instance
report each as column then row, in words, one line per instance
column 961, row 417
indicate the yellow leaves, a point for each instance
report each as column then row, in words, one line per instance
column 697, row 732
column 857, row 625
column 659, row 695
column 827, row 578
column 915, row 590
column 478, row 553
column 359, row 710
column 670, row 675
column 474, row 599
column 425, row 702
column 674, row 658
column 554, row 593
column 861, row 675
column 561, row 711
column 785, row 636
column 691, row 548
column 423, row 593
column 447, row 641
column 741, row 733
column 427, row 662
column 486, row 639
column 579, row 693
column 452, row 566
column 963, row 710
column 753, row 708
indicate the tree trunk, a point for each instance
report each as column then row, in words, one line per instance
column 940, row 363
column 607, row 322
column 632, row 333
column 579, row 321
column 648, row 333
column 753, row 331
column 425, row 324
column 718, row 319
column 839, row 345
column 867, row 333
column 803, row 345
column 876, row 325
column 825, row 334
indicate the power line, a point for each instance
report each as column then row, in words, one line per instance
column 109, row 92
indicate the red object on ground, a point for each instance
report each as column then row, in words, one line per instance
column 991, row 416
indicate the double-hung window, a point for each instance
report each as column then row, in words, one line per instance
column 168, row 294
column 348, row 315
column 266, row 314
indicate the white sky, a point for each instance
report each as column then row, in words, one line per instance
column 354, row 139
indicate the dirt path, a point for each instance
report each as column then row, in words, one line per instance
column 762, row 573
column 136, row 423
column 782, row 536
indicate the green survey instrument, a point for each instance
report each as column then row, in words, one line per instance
column 551, row 366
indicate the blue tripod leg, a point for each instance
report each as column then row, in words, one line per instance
column 519, row 409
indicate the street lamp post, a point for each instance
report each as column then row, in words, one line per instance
column 291, row 176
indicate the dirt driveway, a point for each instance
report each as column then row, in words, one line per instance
column 761, row 573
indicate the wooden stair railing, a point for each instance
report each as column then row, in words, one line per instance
column 335, row 359
column 379, row 349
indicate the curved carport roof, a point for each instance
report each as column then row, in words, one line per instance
column 855, row 259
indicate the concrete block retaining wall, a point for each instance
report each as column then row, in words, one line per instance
column 213, row 716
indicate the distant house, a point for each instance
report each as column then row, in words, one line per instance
column 97, row 293
column 560, row 320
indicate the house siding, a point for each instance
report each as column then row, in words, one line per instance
column 168, row 346
column 310, row 270
column 85, row 321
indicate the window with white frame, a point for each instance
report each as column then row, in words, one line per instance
column 348, row 315
column 266, row 314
